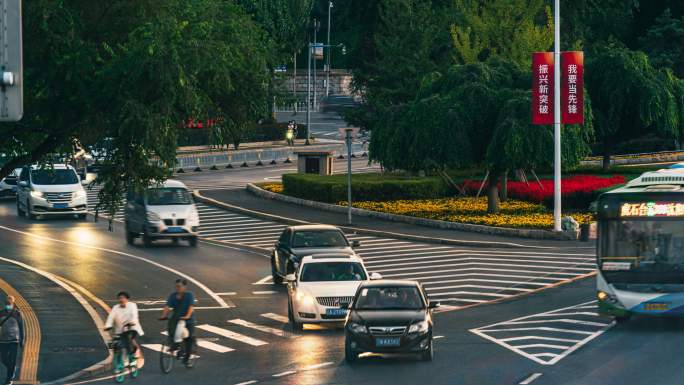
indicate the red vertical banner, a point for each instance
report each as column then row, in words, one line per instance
column 542, row 88
column 572, row 87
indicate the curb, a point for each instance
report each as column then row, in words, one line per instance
column 408, row 237
column 490, row 230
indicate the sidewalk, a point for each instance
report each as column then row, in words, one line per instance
column 244, row 199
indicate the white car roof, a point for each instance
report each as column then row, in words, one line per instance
column 57, row 166
column 171, row 183
column 331, row 258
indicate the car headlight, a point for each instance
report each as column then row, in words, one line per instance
column 358, row 328
column 419, row 327
column 152, row 217
column 36, row 194
column 80, row 194
column 305, row 299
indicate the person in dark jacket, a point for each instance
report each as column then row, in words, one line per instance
column 11, row 337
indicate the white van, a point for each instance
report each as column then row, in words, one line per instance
column 50, row 190
column 166, row 211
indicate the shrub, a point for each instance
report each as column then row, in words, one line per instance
column 365, row 187
column 578, row 191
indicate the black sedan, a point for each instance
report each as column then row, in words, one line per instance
column 389, row 317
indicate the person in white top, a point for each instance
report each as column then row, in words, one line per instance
column 124, row 320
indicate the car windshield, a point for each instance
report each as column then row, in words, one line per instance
column 55, row 176
column 168, row 196
column 332, row 271
column 319, row 238
column 389, row 298
column 643, row 251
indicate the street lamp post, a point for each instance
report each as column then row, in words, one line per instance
column 317, row 26
column 327, row 67
column 556, row 121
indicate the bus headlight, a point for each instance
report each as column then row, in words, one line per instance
column 605, row 297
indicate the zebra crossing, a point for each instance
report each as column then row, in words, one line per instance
column 454, row 275
column 237, row 334
column 548, row 337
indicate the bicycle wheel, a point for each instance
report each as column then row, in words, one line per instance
column 166, row 357
column 118, row 366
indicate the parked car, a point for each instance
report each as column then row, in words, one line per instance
column 166, row 211
column 389, row 317
column 8, row 185
column 320, row 284
column 50, row 190
column 298, row 241
column 337, row 103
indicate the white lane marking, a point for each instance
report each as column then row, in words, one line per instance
column 197, row 283
column 529, row 379
column 500, row 288
column 414, row 247
column 413, row 273
column 437, row 337
column 538, row 338
column 283, row 374
column 561, row 347
column 456, row 258
column 262, row 328
column 267, row 280
column 529, row 266
column 248, row 382
column 560, row 320
column 475, row 293
column 237, row 237
column 219, row 228
column 525, row 283
column 317, row 366
column 232, row 335
column 276, row 317
column 264, row 292
column 215, row 347
column 486, row 273
column 227, row 293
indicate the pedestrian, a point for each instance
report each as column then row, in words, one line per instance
column 11, row 337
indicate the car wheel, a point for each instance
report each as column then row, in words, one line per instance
column 147, row 240
column 296, row 326
column 20, row 212
column 193, row 241
column 130, row 236
column 277, row 279
column 349, row 354
column 429, row 353
column 82, row 216
column 30, row 213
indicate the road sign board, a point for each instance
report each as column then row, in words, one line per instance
column 11, row 66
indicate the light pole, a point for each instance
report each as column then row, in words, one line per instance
column 327, row 67
column 556, row 121
column 317, row 26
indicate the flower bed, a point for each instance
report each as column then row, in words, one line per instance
column 578, row 191
column 274, row 187
column 513, row 214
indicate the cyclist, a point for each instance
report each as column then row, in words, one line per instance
column 124, row 319
column 183, row 304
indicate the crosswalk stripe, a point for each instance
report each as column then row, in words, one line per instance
column 276, row 317
column 232, row 335
column 215, row 347
column 262, row 328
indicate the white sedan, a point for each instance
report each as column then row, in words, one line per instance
column 320, row 285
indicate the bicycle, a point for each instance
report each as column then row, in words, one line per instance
column 174, row 352
column 122, row 363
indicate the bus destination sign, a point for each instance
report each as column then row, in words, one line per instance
column 652, row 209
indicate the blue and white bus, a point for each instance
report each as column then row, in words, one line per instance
column 640, row 248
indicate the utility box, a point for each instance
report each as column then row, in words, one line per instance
column 315, row 162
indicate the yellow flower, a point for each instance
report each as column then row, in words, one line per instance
column 273, row 187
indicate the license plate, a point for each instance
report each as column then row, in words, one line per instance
column 60, row 205
column 175, row 230
column 656, row 306
column 387, row 342
column 336, row 312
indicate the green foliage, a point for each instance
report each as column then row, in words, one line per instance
column 365, row 187
column 507, row 28
column 664, row 43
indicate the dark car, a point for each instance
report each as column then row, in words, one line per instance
column 389, row 317
column 337, row 103
column 297, row 242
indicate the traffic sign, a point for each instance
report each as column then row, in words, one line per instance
column 11, row 66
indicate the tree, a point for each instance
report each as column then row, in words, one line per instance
column 131, row 73
column 664, row 43
column 506, row 28
column 630, row 98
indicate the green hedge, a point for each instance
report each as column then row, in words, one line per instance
column 365, row 187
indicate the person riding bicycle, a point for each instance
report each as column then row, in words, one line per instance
column 182, row 303
column 124, row 320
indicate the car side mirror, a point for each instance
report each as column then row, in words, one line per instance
column 375, row 276
column 344, row 305
column 23, row 183
column 356, row 244
column 290, row 278
column 434, row 304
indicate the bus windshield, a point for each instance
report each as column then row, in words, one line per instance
column 643, row 251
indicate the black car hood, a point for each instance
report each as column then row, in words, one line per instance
column 387, row 317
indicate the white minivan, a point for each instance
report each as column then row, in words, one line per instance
column 50, row 190
column 164, row 211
